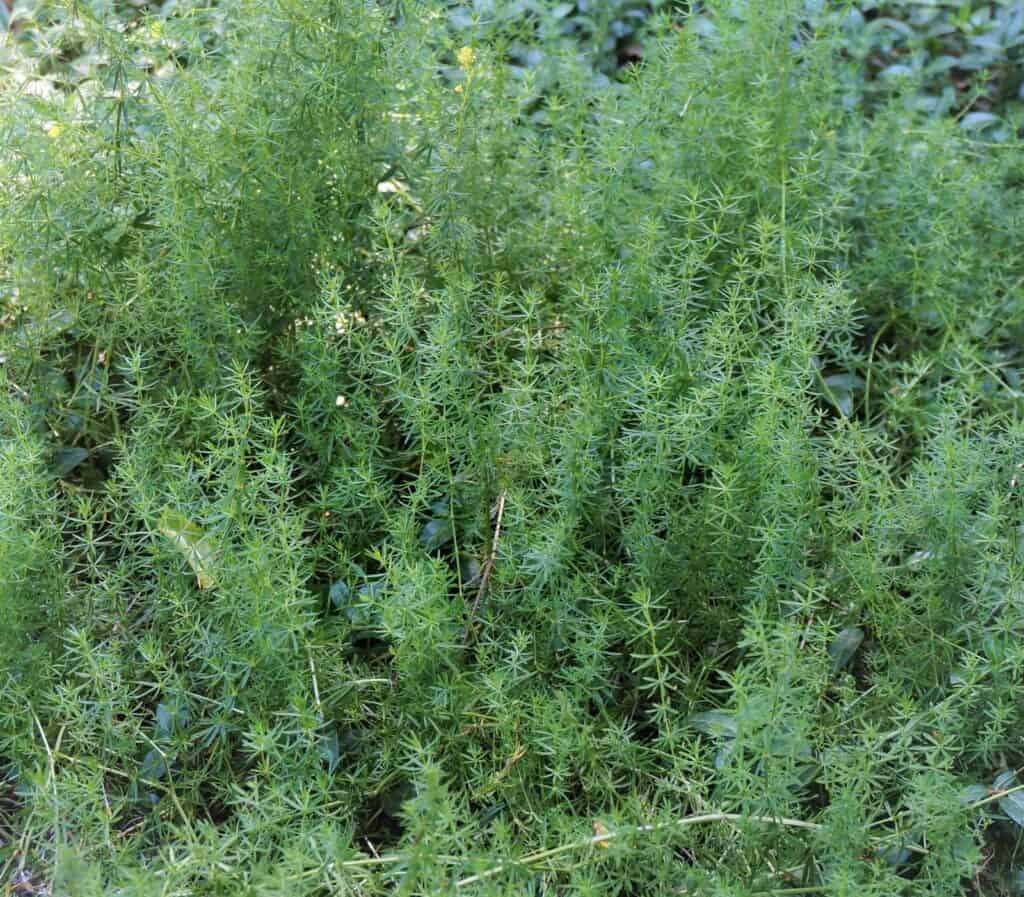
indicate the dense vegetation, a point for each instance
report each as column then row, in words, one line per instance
column 427, row 472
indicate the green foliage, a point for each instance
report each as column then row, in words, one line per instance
column 430, row 475
column 964, row 58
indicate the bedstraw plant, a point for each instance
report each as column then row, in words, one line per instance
column 407, row 492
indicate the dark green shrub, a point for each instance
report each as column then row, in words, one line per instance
column 405, row 491
column 961, row 58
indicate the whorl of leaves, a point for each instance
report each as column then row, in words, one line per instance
column 423, row 474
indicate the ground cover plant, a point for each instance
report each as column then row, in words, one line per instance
column 423, row 473
column 946, row 58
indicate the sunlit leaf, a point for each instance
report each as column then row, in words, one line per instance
column 193, row 544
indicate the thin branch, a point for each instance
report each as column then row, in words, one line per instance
column 485, row 576
column 604, row 837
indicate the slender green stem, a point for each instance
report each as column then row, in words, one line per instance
column 540, row 856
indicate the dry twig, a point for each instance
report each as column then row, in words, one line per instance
column 485, row 576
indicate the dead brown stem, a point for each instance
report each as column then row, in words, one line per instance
column 485, row 576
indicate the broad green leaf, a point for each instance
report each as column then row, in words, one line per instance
column 67, row 459
column 330, row 748
column 436, row 534
column 1015, row 879
column 716, row 723
column 1006, row 779
column 359, row 609
column 844, row 647
column 339, row 593
column 190, row 540
column 153, row 766
column 491, row 813
column 1011, row 804
column 973, row 793
column 839, row 390
column 170, row 718
column 978, row 121
column 896, row 855
column 919, row 557
column 470, row 570
column 722, row 755
column 164, row 719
